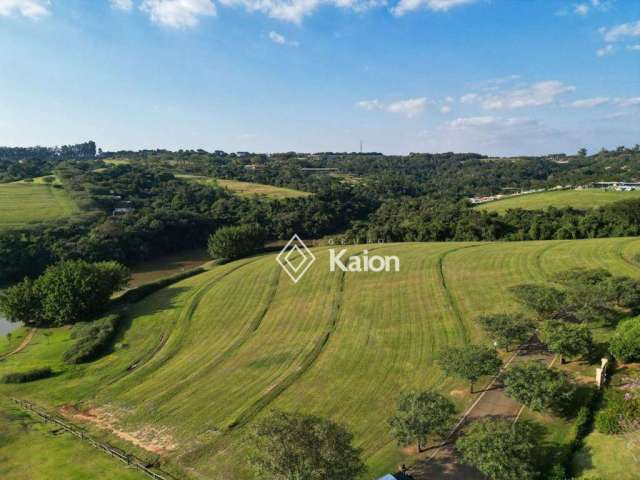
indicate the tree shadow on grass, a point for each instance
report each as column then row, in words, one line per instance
column 157, row 302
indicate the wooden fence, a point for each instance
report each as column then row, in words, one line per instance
column 127, row 458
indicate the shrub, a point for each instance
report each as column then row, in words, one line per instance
column 28, row 376
column 617, row 408
column 236, row 242
column 625, row 344
column 91, row 339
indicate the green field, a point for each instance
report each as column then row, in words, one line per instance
column 248, row 189
column 26, row 203
column 218, row 350
column 30, row 450
column 582, row 199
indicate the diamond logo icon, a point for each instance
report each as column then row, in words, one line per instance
column 295, row 258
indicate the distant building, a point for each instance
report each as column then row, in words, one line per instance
column 619, row 186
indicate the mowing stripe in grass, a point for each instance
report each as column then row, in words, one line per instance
column 620, row 252
column 183, row 321
column 450, row 298
column 537, row 259
column 253, row 326
column 244, row 417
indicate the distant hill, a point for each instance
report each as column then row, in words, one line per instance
column 581, row 199
column 248, row 189
column 22, row 204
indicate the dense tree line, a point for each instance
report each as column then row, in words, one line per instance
column 427, row 219
column 17, row 163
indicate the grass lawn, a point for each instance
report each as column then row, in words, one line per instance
column 214, row 352
column 605, row 456
column 582, row 199
column 30, row 450
column 22, row 204
column 248, row 189
column 611, row 456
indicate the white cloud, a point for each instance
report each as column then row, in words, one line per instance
column 538, row 94
column 469, row 98
column 296, row 10
column 409, row 107
column 405, row 6
column 590, row 102
column 490, row 131
column 125, row 5
column 33, row 9
column 628, row 102
column 581, row 9
column 276, row 37
column 621, row 32
column 178, row 13
column 445, row 109
column 369, row 104
column 635, row 48
column 472, row 122
column 604, row 51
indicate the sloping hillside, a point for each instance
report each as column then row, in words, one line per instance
column 200, row 360
column 581, row 199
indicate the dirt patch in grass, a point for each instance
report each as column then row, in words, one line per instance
column 151, row 439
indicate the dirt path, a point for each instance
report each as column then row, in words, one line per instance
column 441, row 463
column 25, row 342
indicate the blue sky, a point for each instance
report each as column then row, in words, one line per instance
column 494, row 76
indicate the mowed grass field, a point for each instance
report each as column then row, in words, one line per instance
column 26, row 203
column 248, row 189
column 201, row 360
column 581, row 199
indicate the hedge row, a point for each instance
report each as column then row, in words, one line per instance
column 28, row 376
column 136, row 294
column 91, row 339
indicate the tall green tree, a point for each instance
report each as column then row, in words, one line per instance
column 507, row 328
column 21, row 303
column 288, row 446
column 536, row 386
column 470, row 362
column 566, row 339
column 625, row 344
column 421, row 417
column 547, row 302
column 500, row 449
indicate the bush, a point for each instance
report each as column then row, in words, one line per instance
column 28, row 376
column 91, row 339
column 617, row 408
column 236, row 242
column 625, row 344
